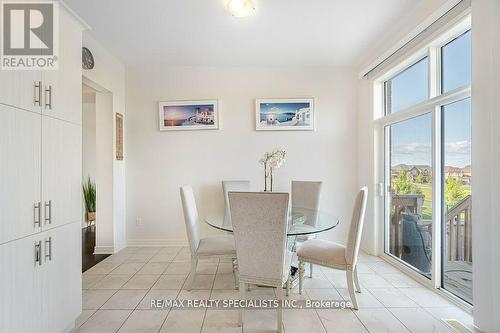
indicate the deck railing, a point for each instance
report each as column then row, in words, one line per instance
column 458, row 225
column 459, row 231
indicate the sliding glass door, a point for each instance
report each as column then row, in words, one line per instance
column 409, row 178
column 427, row 164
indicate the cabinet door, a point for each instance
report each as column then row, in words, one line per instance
column 62, row 279
column 20, row 168
column 61, row 172
column 62, row 88
column 21, row 89
column 20, row 286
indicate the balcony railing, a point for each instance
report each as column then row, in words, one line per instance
column 459, row 231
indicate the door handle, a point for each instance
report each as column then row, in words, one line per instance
column 38, row 253
column 37, row 93
column 48, row 97
column 48, row 245
column 48, row 217
column 37, row 212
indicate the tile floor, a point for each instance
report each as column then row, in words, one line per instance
column 117, row 294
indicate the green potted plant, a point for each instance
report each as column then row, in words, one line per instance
column 89, row 195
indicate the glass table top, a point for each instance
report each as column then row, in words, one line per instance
column 301, row 221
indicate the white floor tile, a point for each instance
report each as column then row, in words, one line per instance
column 94, row 299
column 380, row 321
column 365, row 299
column 88, row 280
column 417, row 320
column 141, row 282
column 221, row 321
column 183, row 321
column 178, row 268
column 340, row 321
column 225, row 268
column 127, row 268
column 392, row 298
column 104, row 321
column 425, row 297
column 153, row 268
column 201, row 281
column 144, row 321
column 83, row 317
column 155, row 295
column 224, row 281
column 302, row 320
column 170, row 282
column 124, row 300
column 111, row 282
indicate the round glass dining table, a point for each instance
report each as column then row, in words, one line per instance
column 301, row 221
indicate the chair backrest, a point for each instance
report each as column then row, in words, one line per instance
column 356, row 227
column 306, row 195
column 190, row 217
column 232, row 186
column 260, row 226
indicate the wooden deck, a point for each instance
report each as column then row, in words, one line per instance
column 458, row 279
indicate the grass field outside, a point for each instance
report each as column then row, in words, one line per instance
column 427, row 206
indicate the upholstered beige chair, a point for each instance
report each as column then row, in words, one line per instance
column 216, row 246
column 260, row 226
column 337, row 256
column 306, row 194
column 233, row 186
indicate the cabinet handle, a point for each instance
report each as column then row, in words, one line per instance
column 37, row 212
column 48, row 217
column 38, row 93
column 48, row 245
column 38, row 253
column 48, row 97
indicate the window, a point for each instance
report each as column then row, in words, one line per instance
column 456, row 63
column 407, row 88
column 427, row 162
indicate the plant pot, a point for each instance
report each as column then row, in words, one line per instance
column 91, row 216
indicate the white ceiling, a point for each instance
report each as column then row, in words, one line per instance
column 280, row 32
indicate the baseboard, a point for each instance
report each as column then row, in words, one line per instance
column 156, row 242
column 104, row 250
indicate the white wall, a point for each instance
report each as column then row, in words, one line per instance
column 108, row 76
column 486, row 163
column 158, row 163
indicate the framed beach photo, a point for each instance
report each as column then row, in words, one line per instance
column 280, row 114
column 188, row 115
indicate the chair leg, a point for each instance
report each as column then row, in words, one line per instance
column 242, row 297
column 279, row 296
column 288, row 286
column 350, row 286
column 235, row 273
column 194, row 263
column 310, row 270
column 301, row 276
column 356, row 281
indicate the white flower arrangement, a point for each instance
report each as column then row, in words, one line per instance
column 272, row 160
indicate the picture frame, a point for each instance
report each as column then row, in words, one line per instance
column 284, row 114
column 188, row 115
column 119, row 136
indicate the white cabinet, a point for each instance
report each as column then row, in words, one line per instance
column 61, row 172
column 20, row 171
column 40, row 192
column 21, row 286
column 62, row 87
column 22, row 89
column 61, row 293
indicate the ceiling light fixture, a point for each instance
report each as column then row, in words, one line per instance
column 240, row 8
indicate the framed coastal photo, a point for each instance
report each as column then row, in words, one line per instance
column 280, row 114
column 188, row 115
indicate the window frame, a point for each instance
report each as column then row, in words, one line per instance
column 437, row 99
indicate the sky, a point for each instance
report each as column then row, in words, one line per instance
column 411, row 139
column 282, row 107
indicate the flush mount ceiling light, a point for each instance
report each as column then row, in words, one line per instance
column 240, row 8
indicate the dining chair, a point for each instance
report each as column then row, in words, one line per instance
column 306, row 194
column 333, row 255
column 234, row 186
column 260, row 226
column 221, row 247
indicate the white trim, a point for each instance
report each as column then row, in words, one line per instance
column 80, row 20
column 409, row 37
column 164, row 242
column 104, row 250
